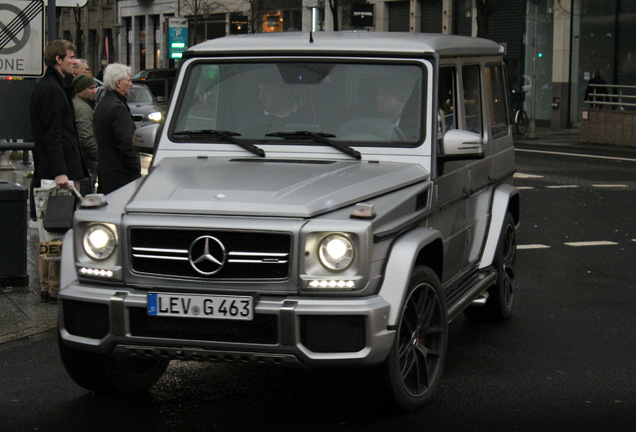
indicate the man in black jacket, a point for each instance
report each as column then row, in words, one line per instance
column 57, row 155
column 119, row 163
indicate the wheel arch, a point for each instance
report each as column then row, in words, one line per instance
column 421, row 246
column 505, row 200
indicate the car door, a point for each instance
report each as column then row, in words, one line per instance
column 451, row 184
column 476, row 120
column 485, row 173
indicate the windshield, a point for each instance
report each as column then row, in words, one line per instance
column 360, row 103
column 139, row 95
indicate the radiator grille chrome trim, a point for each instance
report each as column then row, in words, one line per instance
column 249, row 255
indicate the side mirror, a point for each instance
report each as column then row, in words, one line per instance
column 461, row 145
column 161, row 99
column 144, row 138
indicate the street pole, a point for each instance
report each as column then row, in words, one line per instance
column 52, row 22
column 532, row 130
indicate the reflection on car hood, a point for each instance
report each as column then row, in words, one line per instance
column 266, row 187
column 142, row 108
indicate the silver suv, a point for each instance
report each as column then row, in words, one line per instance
column 332, row 199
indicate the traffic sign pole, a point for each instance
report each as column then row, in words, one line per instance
column 52, row 27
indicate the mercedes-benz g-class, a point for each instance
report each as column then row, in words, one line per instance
column 326, row 199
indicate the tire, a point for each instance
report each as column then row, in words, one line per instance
column 501, row 295
column 414, row 366
column 102, row 373
column 521, row 122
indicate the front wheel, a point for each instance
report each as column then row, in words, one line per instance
column 413, row 369
column 101, row 373
column 521, row 122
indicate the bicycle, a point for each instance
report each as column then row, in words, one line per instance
column 519, row 116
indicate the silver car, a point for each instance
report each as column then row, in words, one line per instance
column 143, row 105
column 327, row 199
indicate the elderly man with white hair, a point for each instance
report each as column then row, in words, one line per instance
column 114, row 128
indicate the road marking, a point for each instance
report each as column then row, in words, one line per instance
column 524, row 187
column 562, row 187
column 576, row 155
column 526, row 176
column 533, row 246
column 609, row 185
column 591, row 243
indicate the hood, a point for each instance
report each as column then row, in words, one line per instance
column 266, row 187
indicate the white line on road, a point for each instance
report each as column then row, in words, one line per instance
column 609, row 185
column 562, row 187
column 591, row 243
column 525, row 176
column 524, row 187
column 576, row 155
column 533, row 246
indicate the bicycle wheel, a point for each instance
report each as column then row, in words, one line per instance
column 521, row 122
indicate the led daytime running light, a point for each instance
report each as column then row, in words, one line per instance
column 96, row 272
column 332, row 284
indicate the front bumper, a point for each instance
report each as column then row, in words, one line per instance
column 285, row 329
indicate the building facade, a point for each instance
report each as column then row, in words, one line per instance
column 552, row 46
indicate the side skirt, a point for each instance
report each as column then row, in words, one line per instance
column 469, row 291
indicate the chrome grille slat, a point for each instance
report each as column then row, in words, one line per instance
column 163, row 257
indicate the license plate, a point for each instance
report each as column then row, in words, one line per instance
column 201, row 306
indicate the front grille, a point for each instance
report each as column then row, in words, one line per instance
column 216, row 255
column 263, row 329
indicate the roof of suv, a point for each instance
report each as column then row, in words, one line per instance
column 347, row 42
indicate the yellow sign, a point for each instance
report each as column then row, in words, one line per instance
column 51, row 249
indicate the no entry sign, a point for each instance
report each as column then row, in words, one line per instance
column 21, row 38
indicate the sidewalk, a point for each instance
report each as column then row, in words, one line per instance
column 22, row 314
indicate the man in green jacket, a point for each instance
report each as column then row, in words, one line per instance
column 85, row 90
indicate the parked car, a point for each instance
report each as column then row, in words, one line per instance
column 159, row 81
column 314, row 207
column 143, row 105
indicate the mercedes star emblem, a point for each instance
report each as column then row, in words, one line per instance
column 207, row 255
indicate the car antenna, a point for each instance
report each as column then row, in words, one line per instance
column 311, row 37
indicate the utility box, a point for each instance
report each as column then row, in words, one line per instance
column 13, row 232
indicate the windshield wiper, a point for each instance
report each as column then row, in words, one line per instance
column 225, row 135
column 318, row 137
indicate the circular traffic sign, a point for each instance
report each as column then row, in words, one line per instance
column 19, row 32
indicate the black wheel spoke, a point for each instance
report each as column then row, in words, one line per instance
column 420, row 349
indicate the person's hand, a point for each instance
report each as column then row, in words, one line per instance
column 61, row 181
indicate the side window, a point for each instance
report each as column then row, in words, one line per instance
column 447, row 101
column 472, row 98
column 495, row 98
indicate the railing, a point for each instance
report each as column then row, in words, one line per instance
column 6, row 147
column 622, row 97
column 609, row 116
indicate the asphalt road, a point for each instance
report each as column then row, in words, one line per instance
column 565, row 361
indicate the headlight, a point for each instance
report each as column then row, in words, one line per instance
column 155, row 116
column 335, row 252
column 99, row 242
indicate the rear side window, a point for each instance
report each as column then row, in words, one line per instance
column 472, row 99
column 496, row 101
column 446, row 103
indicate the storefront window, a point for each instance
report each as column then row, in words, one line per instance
column 544, row 25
